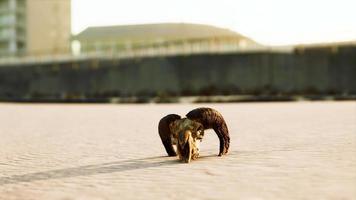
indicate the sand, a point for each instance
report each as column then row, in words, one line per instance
column 299, row 150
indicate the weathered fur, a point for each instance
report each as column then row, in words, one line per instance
column 166, row 134
column 212, row 119
column 187, row 132
column 185, row 146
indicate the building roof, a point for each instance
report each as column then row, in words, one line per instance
column 164, row 32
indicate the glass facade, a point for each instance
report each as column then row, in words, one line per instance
column 12, row 27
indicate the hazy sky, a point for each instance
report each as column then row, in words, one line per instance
column 274, row 22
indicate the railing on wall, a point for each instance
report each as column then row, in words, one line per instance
column 183, row 48
column 187, row 49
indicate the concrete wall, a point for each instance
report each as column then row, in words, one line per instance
column 311, row 72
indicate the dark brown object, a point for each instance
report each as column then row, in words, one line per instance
column 212, row 119
column 166, row 134
column 208, row 117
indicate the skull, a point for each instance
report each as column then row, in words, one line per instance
column 187, row 135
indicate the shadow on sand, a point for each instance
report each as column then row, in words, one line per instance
column 104, row 168
column 119, row 166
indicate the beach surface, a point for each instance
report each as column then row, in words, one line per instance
column 295, row 150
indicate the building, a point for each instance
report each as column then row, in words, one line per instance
column 12, row 27
column 154, row 39
column 34, row 27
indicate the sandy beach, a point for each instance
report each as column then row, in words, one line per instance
column 296, row 150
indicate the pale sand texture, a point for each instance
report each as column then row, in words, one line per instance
column 278, row 151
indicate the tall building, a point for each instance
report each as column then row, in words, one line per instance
column 34, row 27
column 12, row 27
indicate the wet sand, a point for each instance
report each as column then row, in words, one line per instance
column 298, row 150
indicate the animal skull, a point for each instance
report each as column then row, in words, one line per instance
column 187, row 135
